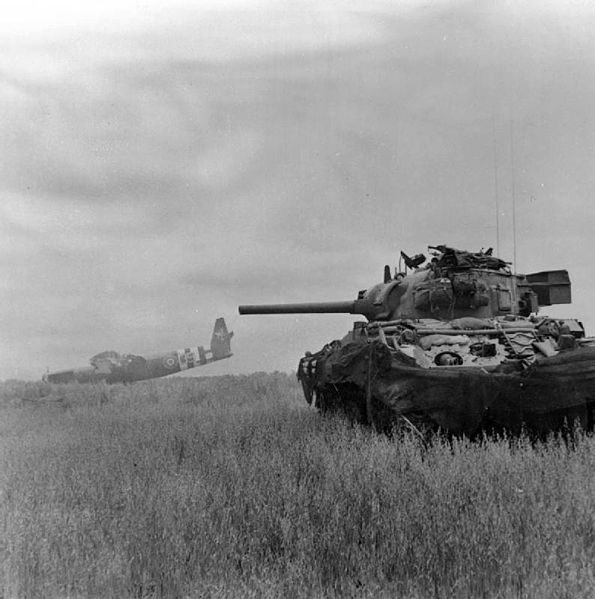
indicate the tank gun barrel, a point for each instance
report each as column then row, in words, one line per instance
column 348, row 307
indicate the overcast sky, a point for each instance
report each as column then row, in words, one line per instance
column 163, row 162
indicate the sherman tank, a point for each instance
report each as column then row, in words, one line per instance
column 455, row 342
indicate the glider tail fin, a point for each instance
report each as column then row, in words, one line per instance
column 221, row 340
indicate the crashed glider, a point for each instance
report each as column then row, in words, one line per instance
column 112, row 367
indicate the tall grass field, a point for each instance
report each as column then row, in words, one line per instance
column 232, row 487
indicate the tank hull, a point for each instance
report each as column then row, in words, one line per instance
column 374, row 383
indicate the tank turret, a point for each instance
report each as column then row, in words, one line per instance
column 455, row 284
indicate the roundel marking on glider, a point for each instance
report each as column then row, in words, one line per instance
column 169, row 362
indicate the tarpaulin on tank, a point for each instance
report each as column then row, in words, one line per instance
column 351, row 361
column 463, row 259
column 543, row 397
column 463, row 400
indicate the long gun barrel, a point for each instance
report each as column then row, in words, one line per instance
column 348, row 307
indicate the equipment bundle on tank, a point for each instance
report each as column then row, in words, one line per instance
column 456, row 344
